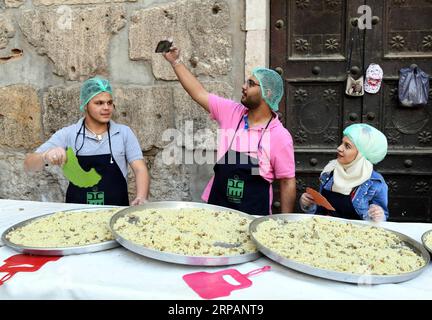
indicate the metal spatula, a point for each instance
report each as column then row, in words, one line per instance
column 226, row 244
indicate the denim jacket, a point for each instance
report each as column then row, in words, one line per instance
column 372, row 191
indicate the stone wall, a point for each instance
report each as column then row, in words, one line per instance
column 48, row 47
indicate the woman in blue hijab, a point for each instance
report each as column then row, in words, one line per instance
column 349, row 183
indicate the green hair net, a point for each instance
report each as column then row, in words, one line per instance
column 92, row 87
column 370, row 142
column 272, row 88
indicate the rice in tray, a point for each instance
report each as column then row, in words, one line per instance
column 338, row 246
column 187, row 231
column 428, row 240
column 65, row 229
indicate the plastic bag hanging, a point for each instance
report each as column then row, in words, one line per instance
column 354, row 88
column 413, row 87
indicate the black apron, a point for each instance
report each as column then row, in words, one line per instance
column 111, row 189
column 341, row 202
column 237, row 183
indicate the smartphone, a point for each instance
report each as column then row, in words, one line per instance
column 163, row 46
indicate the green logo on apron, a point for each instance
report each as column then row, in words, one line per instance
column 96, row 198
column 235, row 190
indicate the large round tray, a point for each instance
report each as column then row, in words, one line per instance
column 336, row 275
column 423, row 239
column 61, row 251
column 178, row 258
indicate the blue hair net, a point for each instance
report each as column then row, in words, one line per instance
column 370, row 142
column 92, row 87
column 272, row 88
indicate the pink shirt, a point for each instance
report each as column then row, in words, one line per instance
column 276, row 153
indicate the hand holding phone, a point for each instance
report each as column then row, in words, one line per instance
column 163, row 46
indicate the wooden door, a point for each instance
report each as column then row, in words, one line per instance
column 310, row 45
column 402, row 36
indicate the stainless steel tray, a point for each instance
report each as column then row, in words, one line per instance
column 336, row 275
column 178, row 258
column 423, row 239
column 64, row 251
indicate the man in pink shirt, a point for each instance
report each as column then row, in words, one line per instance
column 254, row 148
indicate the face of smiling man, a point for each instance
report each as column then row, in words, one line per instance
column 100, row 108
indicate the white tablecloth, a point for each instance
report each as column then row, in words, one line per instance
column 121, row 274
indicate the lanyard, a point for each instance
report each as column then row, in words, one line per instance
column 82, row 128
column 262, row 134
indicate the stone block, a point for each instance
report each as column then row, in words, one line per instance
column 199, row 28
column 67, row 2
column 61, row 108
column 48, row 185
column 256, row 50
column 148, row 111
column 20, row 112
column 14, row 3
column 169, row 181
column 256, row 13
column 76, row 40
column 198, row 131
column 7, row 31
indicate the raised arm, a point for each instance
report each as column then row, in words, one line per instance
column 191, row 84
